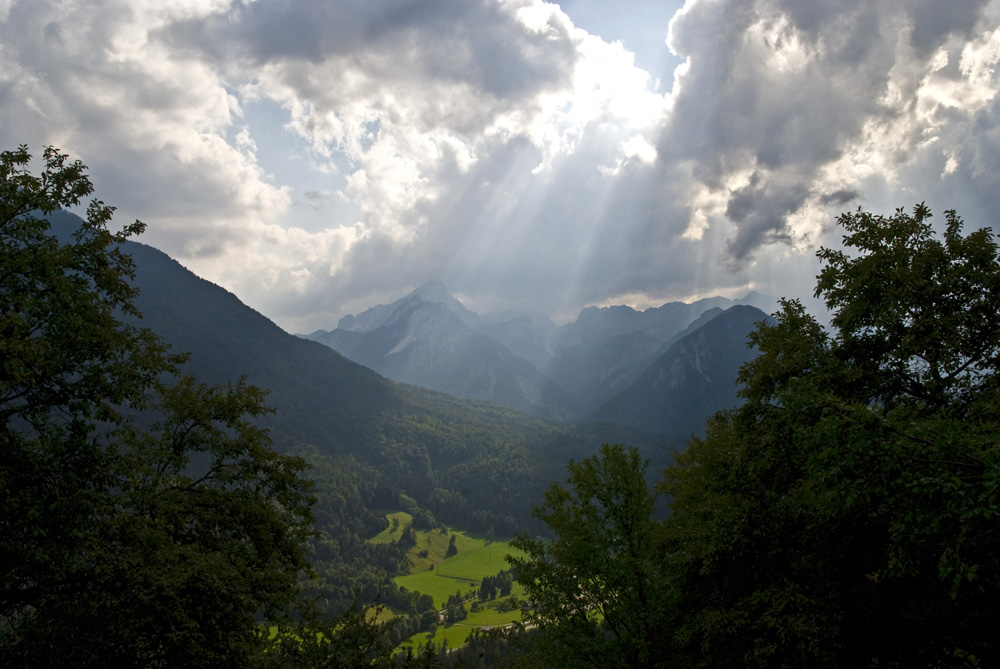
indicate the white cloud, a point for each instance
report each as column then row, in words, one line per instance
column 496, row 146
column 151, row 123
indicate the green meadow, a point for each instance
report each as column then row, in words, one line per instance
column 457, row 633
column 434, row 574
column 442, row 577
column 398, row 520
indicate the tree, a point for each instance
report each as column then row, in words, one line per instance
column 595, row 587
column 426, row 603
column 123, row 545
column 354, row 638
column 846, row 514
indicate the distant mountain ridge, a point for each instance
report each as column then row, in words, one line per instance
column 425, row 343
column 474, row 464
column 696, row 372
column 433, row 292
column 431, row 339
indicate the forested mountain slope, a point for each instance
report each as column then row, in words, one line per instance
column 692, row 380
column 476, row 464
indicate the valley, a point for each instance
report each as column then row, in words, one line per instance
column 439, row 460
column 373, row 443
column 192, row 504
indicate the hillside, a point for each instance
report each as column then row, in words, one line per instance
column 422, row 443
column 320, row 397
column 475, row 464
column 693, row 379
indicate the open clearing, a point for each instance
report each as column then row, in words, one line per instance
column 458, row 633
column 398, row 520
column 441, row 577
column 434, row 574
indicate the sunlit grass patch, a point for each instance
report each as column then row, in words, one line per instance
column 398, row 520
column 456, row 634
column 442, row 577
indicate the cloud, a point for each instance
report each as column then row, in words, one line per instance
column 495, row 146
column 454, row 123
column 158, row 130
column 787, row 106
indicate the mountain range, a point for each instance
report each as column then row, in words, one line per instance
column 472, row 463
column 373, row 444
column 602, row 366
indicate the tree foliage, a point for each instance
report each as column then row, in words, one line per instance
column 595, row 588
column 142, row 521
column 353, row 638
column 845, row 515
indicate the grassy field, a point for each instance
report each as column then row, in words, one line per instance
column 490, row 618
column 441, row 577
column 397, row 523
column 457, row 633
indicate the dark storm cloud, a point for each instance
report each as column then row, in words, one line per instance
column 784, row 88
column 753, row 207
column 462, row 40
column 934, row 22
column 840, row 198
column 777, row 98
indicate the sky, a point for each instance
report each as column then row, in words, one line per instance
column 318, row 158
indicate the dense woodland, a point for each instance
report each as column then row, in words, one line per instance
column 160, row 511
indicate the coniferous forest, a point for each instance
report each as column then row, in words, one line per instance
column 184, row 484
